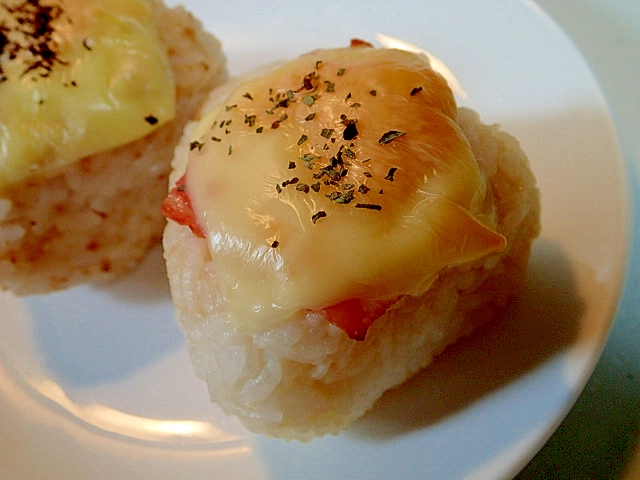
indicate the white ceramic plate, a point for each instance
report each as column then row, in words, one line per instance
column 95, row 382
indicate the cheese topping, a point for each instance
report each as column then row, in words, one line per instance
column 340, row 175
column 77, row 77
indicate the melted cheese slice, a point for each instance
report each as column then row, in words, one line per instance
column 107, row 82
column 342, row 174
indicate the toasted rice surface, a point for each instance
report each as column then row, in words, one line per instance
column 305, row 377
column 97, row 218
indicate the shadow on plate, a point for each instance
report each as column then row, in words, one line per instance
column 93, row 334
column 147, row 283
column 541, row 323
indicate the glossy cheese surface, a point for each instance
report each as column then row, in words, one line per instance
column 78, row 77
column 339, row 175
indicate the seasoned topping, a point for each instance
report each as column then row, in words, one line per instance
column 77, row 77
column 27, row 31
column 361, row 174
column 333, row 161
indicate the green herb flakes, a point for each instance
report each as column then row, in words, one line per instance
column 390, row 136
column 391, row 173
column 351, row 131
column 327, row 133
column 196, row 144
column 302, row 187
column 343, row 198
column 362, row 188
column 369, row 206
column 318, row 215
